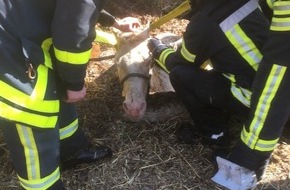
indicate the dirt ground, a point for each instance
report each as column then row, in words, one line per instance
column 147, row 154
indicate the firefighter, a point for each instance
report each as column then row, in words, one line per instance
column 231, row 37
column 270, row 106
column 44, row 49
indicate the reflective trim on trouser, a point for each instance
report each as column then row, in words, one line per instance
column 241, row 94
column 71, row 136
column 68, row 120
column 43, row 183
column 69, row 130
column 260, row 134
column 35, row 154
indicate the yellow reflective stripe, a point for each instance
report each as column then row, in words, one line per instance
column 270, row 3
column 69, row 130
column 41, row 183
column 30, row 151
column 245, row 46
column 230, row 77
column 280, row 24
column 14, row 114
column 41, row 83
column 266, row 145
column 72, row 58
column 186, row 54
column 243, row 95
column 273, row 82
column 26, row 101
column 162, row 66
column 46, row 44
column 164, row 54
column 261, row 145
column 105, row 37
column 281, row 8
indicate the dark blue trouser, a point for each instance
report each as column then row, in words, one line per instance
column 35, row 152
column 206, row 95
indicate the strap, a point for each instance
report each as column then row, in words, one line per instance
column 146, row 77
column 185, row 6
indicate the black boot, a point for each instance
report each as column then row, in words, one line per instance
column 86, row 155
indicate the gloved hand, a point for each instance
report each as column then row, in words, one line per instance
column 155, row 46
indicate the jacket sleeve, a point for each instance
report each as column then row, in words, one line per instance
column 73, row 31
column 195, row 44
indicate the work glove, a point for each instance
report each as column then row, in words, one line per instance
column 156, row 47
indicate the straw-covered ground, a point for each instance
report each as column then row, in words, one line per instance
column 147, row 154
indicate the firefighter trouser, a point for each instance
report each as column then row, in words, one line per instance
column 207, row 96
column 35, row 151
column 270, row 103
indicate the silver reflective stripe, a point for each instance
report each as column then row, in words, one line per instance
column 245, row 46
column 68, row 130
column 243, row 95
column 281, row 23
column 282, row 7
column 30, row 151
column 42, row 183
column 239, row 15
column 271, row 88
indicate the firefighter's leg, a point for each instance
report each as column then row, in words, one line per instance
column 75, row 148
column 69, row 130
column 270, row 109
column 207, row 97
column 35, row 155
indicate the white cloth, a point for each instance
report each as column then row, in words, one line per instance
column 233, row 176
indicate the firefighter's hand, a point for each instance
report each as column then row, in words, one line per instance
column 128, row 24
column 155, row 46
column 75, row 96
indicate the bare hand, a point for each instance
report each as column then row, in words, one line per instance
column 75, row 96
column 128, row 24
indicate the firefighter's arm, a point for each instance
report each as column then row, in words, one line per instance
column 73, row 31
column 196, row 41
column 156, row 47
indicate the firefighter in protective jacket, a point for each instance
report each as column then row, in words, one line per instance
column 44, row 49
column 270, row 105
column 231, row 34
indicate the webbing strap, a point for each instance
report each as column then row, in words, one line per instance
column 185, row 6
column 239, row 15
